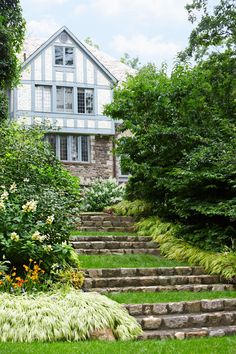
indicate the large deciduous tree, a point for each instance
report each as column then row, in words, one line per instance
column 12, row 30
column 181, row 153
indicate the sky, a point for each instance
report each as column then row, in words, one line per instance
column 153, row 30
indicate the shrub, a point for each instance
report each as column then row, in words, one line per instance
column 173, row 247
column 100, row 194
column 137, row 208
column 72, row 316
column 37, row 197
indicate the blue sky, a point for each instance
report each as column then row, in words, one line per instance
column 153, row 30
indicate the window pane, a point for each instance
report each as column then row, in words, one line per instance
column 60, row 99
column 63, row 148
column 81, row 102
column 75, row 149
column 84, row 149
column 47, row 99
column 51, row 138
column 68, row 99
column 59, row 55
column 39, row 98
column 89, row 101
column 68, row 56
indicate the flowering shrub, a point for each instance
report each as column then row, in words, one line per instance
column 26, row 231
column 102, row 193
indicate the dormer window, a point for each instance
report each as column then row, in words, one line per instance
column 64, row 55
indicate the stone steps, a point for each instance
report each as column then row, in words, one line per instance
column 153, row 280
column 185, row 319
column 114, row 245
column 193, row 287
column 105, row 222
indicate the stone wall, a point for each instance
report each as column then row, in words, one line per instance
column 105, row 222
column 101, row 164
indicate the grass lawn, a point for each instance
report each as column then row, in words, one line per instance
column 101, row 233
column 165, row 296
column 126, row 261
column 225, row 345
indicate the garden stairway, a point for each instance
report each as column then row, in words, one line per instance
column 153, row 280
column 114, row 245
column 159, row 320
column 182, row 320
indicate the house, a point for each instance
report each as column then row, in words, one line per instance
column 66, row 84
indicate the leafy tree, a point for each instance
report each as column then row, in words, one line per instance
column 90, row 42
column 132, row 62
column 12, row 30
column 216, row 29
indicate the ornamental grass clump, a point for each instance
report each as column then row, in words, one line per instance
column 72, row 316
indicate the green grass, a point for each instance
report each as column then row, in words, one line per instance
column 126, row 261
column 165, row 296
column 101, row 233
column 225, row 345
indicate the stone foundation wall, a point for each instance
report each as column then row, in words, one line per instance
column 101, row 164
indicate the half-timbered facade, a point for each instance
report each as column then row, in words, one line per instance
column 66, row 85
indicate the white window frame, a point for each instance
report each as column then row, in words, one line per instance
column 43, row 98
column 85, row 105
column 64, row 56
column 64, row 99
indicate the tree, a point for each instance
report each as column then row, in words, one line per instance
column 181, row 154
column 216, row 29
column 132, row 62
column 12, row 30
column 90, row 42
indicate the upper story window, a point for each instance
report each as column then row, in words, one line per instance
column 85, row 100
column 64, row 55
column 43, row 98
column 64, row 99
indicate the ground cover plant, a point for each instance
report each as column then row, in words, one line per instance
column 71, row 316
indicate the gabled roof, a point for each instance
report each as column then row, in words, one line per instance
column 113, row 68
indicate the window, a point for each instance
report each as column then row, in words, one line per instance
column 43, row 98
column 64, row 56
column 64, row 99
column 73, row 148
column 85, row 100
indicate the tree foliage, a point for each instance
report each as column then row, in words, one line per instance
column 216, row 29
column 12, row 30
column 134, row 63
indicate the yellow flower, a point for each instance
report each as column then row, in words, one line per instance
column 14, row 274
column 13, row 188
column 26, row 267
column 30, row 206
column 8, row 278
column 50, row 219
column 14, row 237
column 30, row 260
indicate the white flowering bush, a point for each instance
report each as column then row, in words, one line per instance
column 27, row 231
column 101, row 193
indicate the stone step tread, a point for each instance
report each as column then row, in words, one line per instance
column 112, row 244
column 191, row 279
column 189, row 332
column 124, row 272
column 107, row 228
column 154, row 251
column 182, row 307
column 78, row 238
column 192, row 287
column 141, row 318
column 179, row 321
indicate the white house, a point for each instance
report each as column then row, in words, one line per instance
column 66, row 84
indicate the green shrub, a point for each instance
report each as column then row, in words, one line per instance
column 136, row 208
column 100, row 194
column 173, row 247
column 72, row 316
column 37, row 197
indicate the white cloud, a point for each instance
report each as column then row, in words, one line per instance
column 48, row 2
column 80, row 9
column 142, row 8
column 43, row 28
column 152, row 49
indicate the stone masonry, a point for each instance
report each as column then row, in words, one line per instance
column 101, row 164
